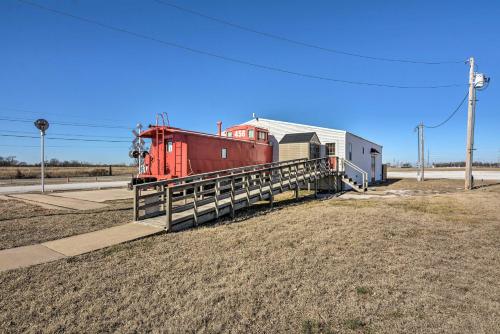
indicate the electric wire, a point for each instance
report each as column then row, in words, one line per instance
column 68, row 139
column 451, row 115
column 55, row 114
column 88, row 125
column 67, row 134
column 305, row 44
column 230, row 59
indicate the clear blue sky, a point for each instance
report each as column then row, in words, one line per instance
column 71, row 71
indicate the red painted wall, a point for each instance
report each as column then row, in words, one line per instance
column 195, row 153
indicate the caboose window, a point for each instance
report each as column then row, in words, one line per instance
column 262, row 135
column 169, row 146
column 250, row 134
column 223, row 153
column 229, row 134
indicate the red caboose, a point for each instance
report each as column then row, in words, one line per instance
column 176, row 153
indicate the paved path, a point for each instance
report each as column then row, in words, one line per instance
column 79, row 244
column 452, row 174
column 64, row 186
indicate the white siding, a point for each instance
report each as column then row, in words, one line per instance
column 278, row 129
column 363, row 160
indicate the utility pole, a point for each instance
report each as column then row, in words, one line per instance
column 471, row 115
column 421, row 152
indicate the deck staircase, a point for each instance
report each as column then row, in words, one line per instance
column 348, row 169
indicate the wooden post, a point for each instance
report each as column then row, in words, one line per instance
column 216, row 201
column 232, row 198
column 316, row 188
column 136, row 203
column 168, row 208
column 195, row 205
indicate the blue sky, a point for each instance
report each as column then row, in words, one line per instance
column 73, row 72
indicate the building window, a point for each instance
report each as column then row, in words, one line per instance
column 350, row 151
column 330, row 149
column 262, row 135
column 251, row 134
column 169, row 146
column 363, row 150
column 229, row 134
column 223, row 153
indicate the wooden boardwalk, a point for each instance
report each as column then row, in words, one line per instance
column 190, row 202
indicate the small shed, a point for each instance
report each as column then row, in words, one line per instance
column 299, row 145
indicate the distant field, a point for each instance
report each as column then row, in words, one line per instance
column 54, row 172
column 392, row 169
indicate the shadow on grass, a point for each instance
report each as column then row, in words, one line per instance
column 263, row 208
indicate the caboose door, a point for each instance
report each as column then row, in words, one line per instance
column 169, row 155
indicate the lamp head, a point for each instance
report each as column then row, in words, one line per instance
column 42, row 124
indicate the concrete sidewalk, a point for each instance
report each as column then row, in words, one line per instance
column 71, row 246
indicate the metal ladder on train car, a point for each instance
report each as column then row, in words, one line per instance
column 178, row 159
column 161, row 134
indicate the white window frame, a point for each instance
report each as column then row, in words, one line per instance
column 223, row 153
column 328, row 151
column 251, row 133
column 170, row 146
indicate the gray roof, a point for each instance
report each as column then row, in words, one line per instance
column 304, row 137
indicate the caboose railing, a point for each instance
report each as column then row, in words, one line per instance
column 194, row 200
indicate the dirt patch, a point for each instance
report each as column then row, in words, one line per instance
column 24, row 224
column 373, row 266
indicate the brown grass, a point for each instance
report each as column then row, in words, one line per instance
column 23, row 224
column 331, row 266
column 53, row 172
column 429, row 185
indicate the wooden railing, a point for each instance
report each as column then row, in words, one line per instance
column 192, row 203
column 151, row 194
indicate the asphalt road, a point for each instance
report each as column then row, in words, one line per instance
column 64, row 186
column 452, row 174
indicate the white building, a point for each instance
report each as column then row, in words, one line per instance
column 363, row 153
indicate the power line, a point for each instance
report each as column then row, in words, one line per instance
column 309, row 45
column 88, row 125
column 230, row 59
column 68, row 139
column 451, row 115
column 67, row 134
column 55, row 114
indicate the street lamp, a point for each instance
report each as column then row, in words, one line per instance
column 42, row 125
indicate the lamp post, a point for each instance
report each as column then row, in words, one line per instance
column 42, row 125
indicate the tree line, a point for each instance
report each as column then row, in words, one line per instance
column 11, row 161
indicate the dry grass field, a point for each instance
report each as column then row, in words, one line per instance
column 421, row 264
column 55, row 172
column 23, row 224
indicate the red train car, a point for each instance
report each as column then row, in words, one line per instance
column 176, row 153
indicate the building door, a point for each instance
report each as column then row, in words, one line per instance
column 373, row 168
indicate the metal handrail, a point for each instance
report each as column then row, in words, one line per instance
column 363, row 173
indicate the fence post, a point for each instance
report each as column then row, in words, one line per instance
column 232, row 197
column 136, row 203
column 168, row 208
